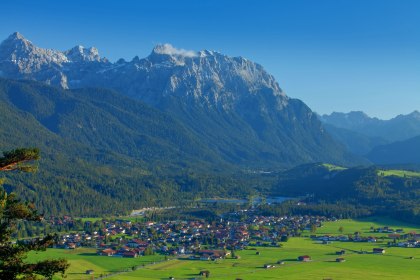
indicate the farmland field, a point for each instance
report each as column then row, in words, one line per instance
column 396, row 263
column 363, row 226
column 83, row 259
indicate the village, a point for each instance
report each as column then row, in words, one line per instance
column 202, row 240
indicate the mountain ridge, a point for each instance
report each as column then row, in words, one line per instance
column 361, row 134
column 401, row 127
column 230, row 103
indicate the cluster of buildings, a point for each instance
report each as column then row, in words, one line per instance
column 357, row 237
column 395, row 238
column 197, row 238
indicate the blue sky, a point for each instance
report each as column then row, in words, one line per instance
column 335, row 55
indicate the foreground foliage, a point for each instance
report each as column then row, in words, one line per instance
column 12, row 254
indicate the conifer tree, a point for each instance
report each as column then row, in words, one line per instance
column 12, row 210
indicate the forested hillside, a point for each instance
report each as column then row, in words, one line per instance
column 103, row 154
column 354, row 191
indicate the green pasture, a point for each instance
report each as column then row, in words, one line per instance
column 395, row 264
column 332, row 167
column 364, row 226
column 398, row 173
column 83, row 259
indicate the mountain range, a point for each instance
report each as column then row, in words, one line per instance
column 381, row 141
column 231, row 105
column 399, row 128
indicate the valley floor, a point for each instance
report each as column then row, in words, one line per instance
column 396, row 263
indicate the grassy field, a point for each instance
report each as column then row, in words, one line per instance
column 394, row 264
column 364, row 225
column 83, row 259
column 125, row 218
column 332, row 167
column 399, row 173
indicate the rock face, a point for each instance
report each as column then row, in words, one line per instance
column 231, row 103
column 207, row 78
column 20, row 58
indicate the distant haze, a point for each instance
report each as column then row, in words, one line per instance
column 334, row 55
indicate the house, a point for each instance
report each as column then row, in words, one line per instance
column 371, row 239
column 71, row 246
column 394, row 236
column 304, row 258
column 130, row 254
column 340, row 260
column 378, row 251
column 205, row 257
column 214, row 254
column 107, row 252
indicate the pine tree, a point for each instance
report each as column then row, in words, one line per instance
column 12, row 210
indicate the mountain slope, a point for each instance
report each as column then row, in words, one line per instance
column 106, row 120
column 400, row 152
column 102, row 155
column 351, row 192
column 355, row 142
column 230, row 104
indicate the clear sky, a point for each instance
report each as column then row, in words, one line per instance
column 335, row 55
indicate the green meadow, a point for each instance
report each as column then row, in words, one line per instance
column 125, row 218
column 82, row 259
column 396, row 263
column 364, row 225
column 399, row 173
column 332, row 167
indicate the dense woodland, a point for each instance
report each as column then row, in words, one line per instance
column 350, row 192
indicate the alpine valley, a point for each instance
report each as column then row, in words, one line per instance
column 162, row 130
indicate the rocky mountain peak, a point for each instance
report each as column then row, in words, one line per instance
column 82, row 54
column 15, row 44
column 415, row 114
column 168, row 49
column 20, row 57
column 16, row 36
column 167, row 55
column 351, row 119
